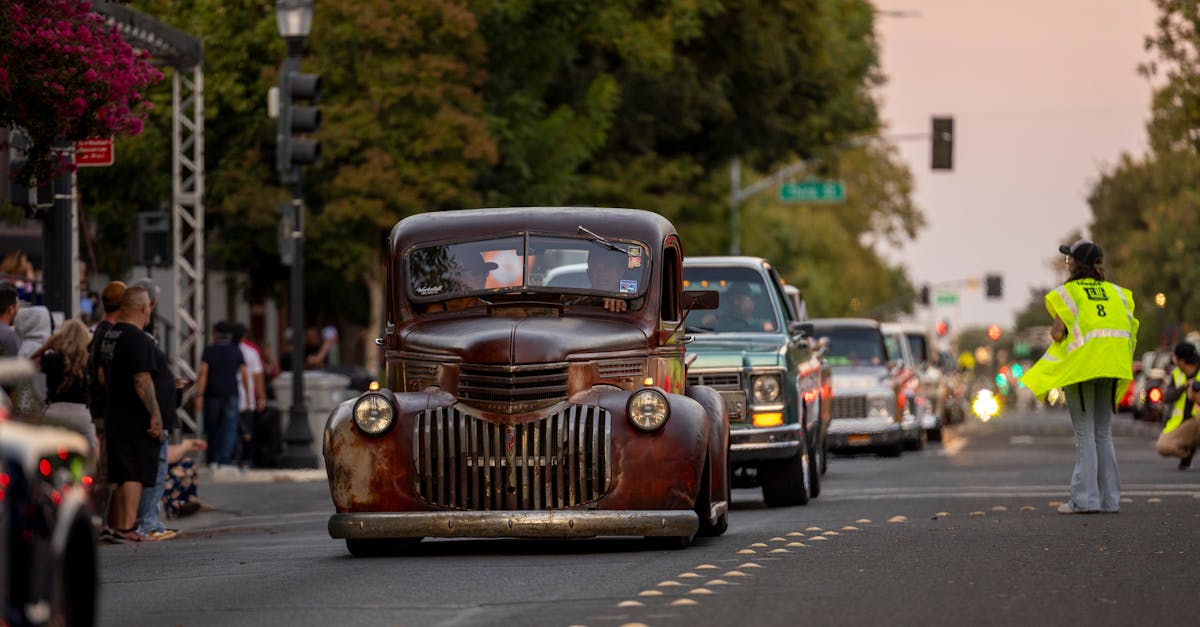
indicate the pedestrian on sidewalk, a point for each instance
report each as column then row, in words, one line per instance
column 63, row 360
column 133, row 417
column 165, row 386
column 252, row 396
column 1181, row 433
column 221, row 368
column 110, row 299
column 1091, row 359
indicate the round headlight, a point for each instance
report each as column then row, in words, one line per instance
column 766, row 388
column 648, row 409
column 373, row 414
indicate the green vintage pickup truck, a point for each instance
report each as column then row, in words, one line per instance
column 757, row 353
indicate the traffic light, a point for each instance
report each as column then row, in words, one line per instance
column 941, row 328
column 924, row 294
column 298, row 121
column 34, row 200
column 994, row 286
column 943, row 143
column 993, row 332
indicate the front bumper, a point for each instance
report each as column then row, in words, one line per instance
column 767, row 443
column 856, row 432
column 522, row 524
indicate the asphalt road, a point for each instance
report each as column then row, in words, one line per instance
column 962, row 532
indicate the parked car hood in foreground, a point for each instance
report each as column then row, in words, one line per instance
column 736, row 350
column 850, row 379
column 503, row 340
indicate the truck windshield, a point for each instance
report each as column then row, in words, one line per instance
column 854, row 346
column 916, row 346
column 746, row 305
column 578, row 266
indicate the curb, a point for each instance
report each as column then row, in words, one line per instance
column 260, row 475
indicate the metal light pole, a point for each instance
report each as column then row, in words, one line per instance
column 294, row 18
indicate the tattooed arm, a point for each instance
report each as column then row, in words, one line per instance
column 144, row 385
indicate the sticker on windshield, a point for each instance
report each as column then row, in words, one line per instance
column 535, row 279
column 634, row 262
column 635, row 251
column 628, row 286
column 428, row 290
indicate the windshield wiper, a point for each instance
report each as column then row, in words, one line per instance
column 600, row 240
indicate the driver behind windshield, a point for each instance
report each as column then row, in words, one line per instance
column 604, row 272
column 737, row 312
column 474, row 273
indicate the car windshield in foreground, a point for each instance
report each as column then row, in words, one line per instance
column 853, row 347
column 745, row 305
column 536, row 263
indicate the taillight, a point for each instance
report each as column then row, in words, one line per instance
column 1155, row 395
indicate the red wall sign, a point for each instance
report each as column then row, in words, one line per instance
column 94, row 152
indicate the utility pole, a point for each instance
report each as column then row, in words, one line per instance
column 739, row 194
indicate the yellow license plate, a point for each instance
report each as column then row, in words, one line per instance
column 859, row 439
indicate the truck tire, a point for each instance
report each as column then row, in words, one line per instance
column 787, row 482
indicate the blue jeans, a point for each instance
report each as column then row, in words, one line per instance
column 220, row 426
column 147, row 513
column 1095, row 484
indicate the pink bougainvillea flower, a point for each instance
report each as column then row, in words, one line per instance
column 76, row 78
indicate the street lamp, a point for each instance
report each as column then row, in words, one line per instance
column 294, row 18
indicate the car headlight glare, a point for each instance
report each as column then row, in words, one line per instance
column 766, row 388
column 373, row 414
column 648, row 409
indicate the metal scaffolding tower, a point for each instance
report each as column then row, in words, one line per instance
column 185, row 55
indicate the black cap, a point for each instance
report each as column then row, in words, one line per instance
column 478, row 264
column 1084, row 251
column 1187, row 352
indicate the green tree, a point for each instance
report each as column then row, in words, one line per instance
column 1144, row 208
column 438, row 104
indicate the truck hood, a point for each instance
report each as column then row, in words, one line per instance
column 513, row 341
column 736, row 351
column 860, row 379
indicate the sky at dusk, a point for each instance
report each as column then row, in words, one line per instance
column 1045, row 96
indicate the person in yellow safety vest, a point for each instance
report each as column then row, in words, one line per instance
column 1181, row 434
column 1091, row 359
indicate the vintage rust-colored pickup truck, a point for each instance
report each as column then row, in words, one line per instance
column 535, row 387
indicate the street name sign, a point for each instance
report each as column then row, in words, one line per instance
column 812, row 191
column 948, row 298
column 90, row 153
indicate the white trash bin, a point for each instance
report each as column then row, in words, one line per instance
column 323, row 391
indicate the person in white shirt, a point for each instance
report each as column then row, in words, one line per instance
column 252, row 394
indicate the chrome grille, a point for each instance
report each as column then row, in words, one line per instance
column 519, row 388
column 561, row 461
column 717, row 380
column 848, row 407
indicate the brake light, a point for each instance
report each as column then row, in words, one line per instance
column 1155, row 395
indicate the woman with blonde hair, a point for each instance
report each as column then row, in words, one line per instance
column 63, row 359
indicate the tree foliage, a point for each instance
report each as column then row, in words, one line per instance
column 1144, row 208
column 439, row 104
column 65, row 76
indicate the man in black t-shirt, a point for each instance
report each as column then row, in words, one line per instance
column 165, row 387
column 111, row 299
column 133, row 419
